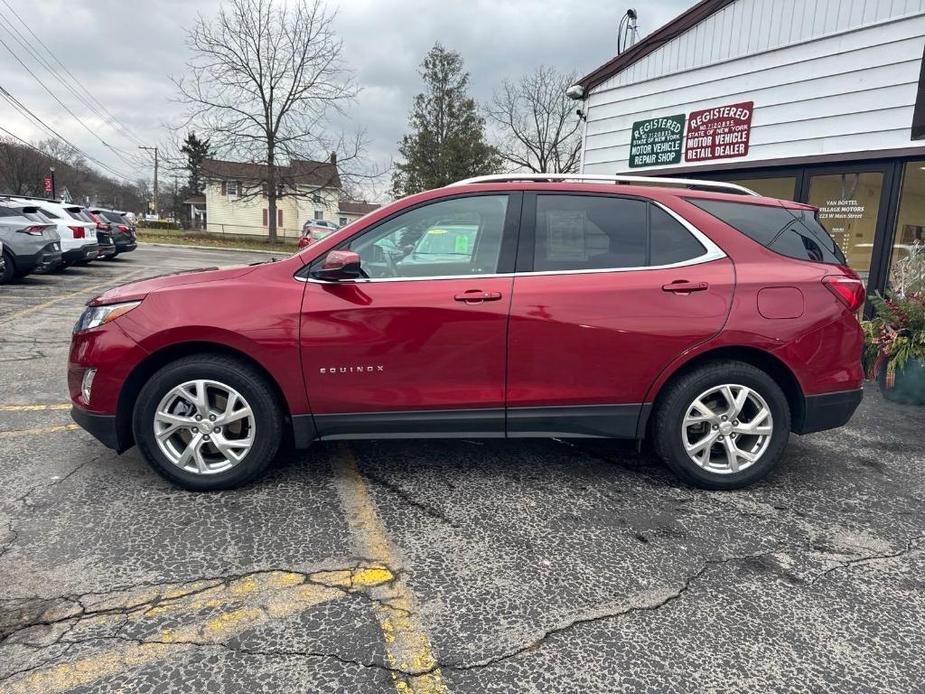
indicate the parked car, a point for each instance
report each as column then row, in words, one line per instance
column 696, row 314
column 30, row 242
column 315, row 230
column 103, row 232
column 78, row 238
column 120, row 228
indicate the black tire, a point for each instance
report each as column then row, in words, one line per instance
column 9, row 269
column 673, row 405
column 241, row 376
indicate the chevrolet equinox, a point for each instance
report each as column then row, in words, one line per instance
column 697, row 314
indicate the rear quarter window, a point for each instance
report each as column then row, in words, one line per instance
column 795, row 233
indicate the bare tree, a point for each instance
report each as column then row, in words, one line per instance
column 265, row 78
column 536, row 122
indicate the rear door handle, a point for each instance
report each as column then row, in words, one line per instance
column 477, row 296
column 685, row 287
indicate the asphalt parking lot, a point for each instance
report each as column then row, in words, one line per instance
column 432, row 566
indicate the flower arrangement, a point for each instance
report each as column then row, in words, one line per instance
column 895, row 336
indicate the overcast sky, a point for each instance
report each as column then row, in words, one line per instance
column 124, row 52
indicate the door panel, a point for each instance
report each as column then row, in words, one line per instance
column 387, row 346
column 601, row 338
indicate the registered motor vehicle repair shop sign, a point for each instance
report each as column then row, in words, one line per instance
column 657, row 141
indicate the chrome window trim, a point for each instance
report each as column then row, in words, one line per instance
column 712, row 252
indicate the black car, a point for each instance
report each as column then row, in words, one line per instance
column 121, row 229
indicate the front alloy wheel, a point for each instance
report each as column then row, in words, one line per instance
column 727, row 428
column 208, row 422
column 204, row 427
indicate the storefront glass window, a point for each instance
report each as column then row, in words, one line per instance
column 910, row 222
column 782, row 188
column 848, row 207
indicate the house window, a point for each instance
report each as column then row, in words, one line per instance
column 319, row 214
column 265, row 217
column 342, row 221
column 316, row 198
column 279, row 217
column 232, row 188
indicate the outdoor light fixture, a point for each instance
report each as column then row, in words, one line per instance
column 576, row 91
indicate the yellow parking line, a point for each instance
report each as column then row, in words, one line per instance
column 223, row 609
column 35, row 408
column 51, row 302
column 408, row 647
column 37, row 430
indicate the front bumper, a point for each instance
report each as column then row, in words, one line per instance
column 102, row 426
column 827, row 411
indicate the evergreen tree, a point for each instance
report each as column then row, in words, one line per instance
column 447, row 138
column 195, row 150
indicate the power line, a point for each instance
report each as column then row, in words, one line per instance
column 24, row 110
column 111, row 118
column 133, row 164
column 18, row 36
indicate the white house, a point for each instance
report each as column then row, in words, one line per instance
column 822, row 102
column 236, row 202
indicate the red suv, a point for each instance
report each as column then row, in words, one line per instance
column 708, row 319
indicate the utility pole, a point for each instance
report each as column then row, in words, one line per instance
column 154, row 149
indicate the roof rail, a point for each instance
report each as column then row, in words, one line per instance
column 721, row 186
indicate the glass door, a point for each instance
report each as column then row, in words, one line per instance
column 849, row 205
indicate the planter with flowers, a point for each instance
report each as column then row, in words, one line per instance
column 895, row 337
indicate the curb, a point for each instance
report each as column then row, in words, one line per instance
column 212, row 248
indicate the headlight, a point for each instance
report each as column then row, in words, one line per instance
column 95, row 316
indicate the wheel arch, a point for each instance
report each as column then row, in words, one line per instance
column 782, row 374
column 146, row 368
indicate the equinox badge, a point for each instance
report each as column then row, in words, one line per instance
column 377, row 368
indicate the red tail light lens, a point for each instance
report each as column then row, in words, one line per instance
column 848, row 290
column 33, row 230
column 123, row 228
column 79, row 232
column 102, row 227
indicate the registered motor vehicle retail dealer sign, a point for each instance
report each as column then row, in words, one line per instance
column 657, row 141
column 719, row 133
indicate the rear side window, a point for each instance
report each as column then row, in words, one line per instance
column 9, row 212
column 591, row 232
column 114, row 217
column 670, row 241
column 578, row 232
column 792, row 232
column 48, row 213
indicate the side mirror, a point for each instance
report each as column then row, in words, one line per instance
column 339, row 265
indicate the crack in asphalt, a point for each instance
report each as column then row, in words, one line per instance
column 604, row 615
column 848, row 563
column 83, row 611
column 426, row 509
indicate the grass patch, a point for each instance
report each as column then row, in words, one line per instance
column 199, row 239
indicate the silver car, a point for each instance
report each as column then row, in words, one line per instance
column 29, row 241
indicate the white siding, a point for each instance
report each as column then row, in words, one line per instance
column 851, row 90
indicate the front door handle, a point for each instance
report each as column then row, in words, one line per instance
column 477, row 296
column 685, row 287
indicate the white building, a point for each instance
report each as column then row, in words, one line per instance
column 822, row 102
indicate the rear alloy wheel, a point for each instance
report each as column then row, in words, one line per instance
column 208, row 422
column 723, row 426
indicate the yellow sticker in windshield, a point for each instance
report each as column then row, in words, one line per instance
column 436, row 232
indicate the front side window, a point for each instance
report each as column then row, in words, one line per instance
column 456, row 237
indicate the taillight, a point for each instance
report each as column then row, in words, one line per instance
column 122, row 228
column 848, row 290
column 79, row 232
column 33, row 231
column 102, row 227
